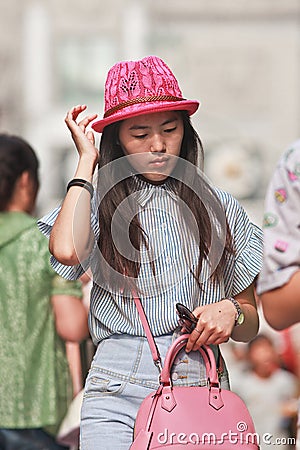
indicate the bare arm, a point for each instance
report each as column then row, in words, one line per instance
column 249, row 328
column 74, row 360
column 71, row 236
column 70, row 317
column 216, row 321
column 281, row 306
column 279, row 280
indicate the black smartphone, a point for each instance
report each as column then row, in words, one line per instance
column 186, row 318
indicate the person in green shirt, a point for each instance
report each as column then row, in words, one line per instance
column 39, row 311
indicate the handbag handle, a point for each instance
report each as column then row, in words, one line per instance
column 207, row 355
column 178, row 344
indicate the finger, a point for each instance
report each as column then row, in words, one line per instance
column 199, row 310
column 194, row 337
column 78, row 110
column 91, row 137
column 185, row 330
column 74, row 112
column 217, row 340
column 205, row 335
column 203, row 338
column 214, row 336
column 87, row 120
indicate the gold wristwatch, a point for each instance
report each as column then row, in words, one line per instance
column 240, row 317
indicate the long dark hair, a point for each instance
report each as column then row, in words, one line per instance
column 203, row 219
column 16, row 157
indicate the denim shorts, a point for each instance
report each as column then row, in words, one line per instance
column 122, row 374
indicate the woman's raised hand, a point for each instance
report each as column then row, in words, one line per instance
column 84, row 140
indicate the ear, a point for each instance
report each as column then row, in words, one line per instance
column 27, row 192
column 24, row 180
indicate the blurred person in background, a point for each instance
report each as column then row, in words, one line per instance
column 235, row 355
column 279, row 281
column 269, row 392
column 39, row 311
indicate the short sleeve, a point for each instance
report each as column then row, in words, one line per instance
column 245, row 263
column 61, row 286
column 282, row 223
column 45, row 225
column 248, row 262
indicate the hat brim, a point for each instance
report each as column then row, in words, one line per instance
column 190, row 106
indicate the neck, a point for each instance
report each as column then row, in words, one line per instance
column 155, row 183
column 14, row 209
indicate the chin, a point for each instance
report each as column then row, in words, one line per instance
column 155, row 178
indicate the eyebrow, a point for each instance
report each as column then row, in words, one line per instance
column 143, row 127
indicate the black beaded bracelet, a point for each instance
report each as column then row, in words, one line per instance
column 81, row 183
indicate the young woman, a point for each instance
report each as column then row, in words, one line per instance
column 154, row 225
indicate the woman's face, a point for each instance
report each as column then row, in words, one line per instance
column 155, row 140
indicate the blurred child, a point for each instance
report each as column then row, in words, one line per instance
column 268, row 391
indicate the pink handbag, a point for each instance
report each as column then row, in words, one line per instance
column 194, row 417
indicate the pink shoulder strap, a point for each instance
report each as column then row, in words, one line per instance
column 152, row 344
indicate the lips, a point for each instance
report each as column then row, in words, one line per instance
column 159, row 160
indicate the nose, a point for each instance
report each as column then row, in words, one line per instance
column 158, row 144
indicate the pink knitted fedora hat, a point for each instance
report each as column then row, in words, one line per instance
column 141, row 87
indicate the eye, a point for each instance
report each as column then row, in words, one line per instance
column 140, row 136
column 169, row 130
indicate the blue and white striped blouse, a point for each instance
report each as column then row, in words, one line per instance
column 174, row 254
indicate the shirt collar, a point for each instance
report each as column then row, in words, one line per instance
column 145, row 190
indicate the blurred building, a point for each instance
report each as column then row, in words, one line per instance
column 239, row 58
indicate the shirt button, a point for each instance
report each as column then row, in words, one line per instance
column 164, row 226
column 175, row 376
column 168, row 259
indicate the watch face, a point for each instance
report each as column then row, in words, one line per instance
column 240, row 319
